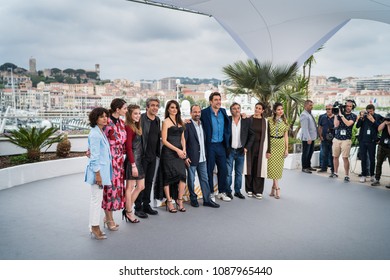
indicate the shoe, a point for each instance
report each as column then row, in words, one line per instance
column 272, row 191
column 105, row 220
column 360, row 175
column 212, row 197
column 372, row 179
column 211, row 204
column 128, row 219
column 111, row 225
column 97, row 233
column 277, row 193
column 249, row 194
column 258, row 196
column 229, row 195
column 346, row 179
column 312, row 169
column 239, row 195
column 333, row 175
column 387, row 186
column 149, row 210
column 141, row 214
column 306, row 170
column 376, row 183
column 170, row 209
column 223, row 197
column 194, row 203
column 321, row 171
column 178, row 202
column 362, row 179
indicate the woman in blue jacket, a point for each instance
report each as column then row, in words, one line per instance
column 99, row 168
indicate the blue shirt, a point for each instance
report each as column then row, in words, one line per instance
column 218, row 124
column 326, row 123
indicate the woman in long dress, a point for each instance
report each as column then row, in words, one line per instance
column 134, row 173
column 278, row 127
column 256, row 156
column 114, row 195
column 173, row 154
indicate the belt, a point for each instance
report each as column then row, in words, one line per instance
column 277, row 137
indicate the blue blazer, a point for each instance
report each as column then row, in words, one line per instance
column 208, row 127
column 100, row 158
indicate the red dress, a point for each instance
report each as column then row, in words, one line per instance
column 114, row 195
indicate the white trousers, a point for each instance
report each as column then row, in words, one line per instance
column 95, row 205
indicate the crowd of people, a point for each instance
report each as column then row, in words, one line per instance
column 124, row 145
column 335, row 130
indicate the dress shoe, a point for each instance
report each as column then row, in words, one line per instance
column 312, row 169
column 141, row 214
column 149, row 210
column 211, row 204
column 239, row 195
column 306, row 170
column 321, row 171
column 229, row 195
column 194, row 203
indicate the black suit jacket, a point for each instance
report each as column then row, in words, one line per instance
column 246, row 134
column 192, row 143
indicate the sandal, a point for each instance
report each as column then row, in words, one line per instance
column 171, row 210
column 182, row 209
column 124, row 215
column 277, row 193
column 273, row 190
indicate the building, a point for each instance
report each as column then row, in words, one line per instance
column 32, row 65
column 375, row 83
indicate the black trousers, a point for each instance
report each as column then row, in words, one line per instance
column 149, row 166
column 380, row 158
column 252, row 183
column 307, row 153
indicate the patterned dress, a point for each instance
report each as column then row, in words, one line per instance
column 277, row 147
column 114, row 195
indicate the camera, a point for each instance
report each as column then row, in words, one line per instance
column 338, row 107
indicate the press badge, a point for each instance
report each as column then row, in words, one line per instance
column 368, row 132
column 343, row 132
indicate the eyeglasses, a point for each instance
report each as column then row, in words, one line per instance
column 328, row 109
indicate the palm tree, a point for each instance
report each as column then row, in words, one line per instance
column 293, row 96
column 263, row 81
column 33, row 140
column 309, row 62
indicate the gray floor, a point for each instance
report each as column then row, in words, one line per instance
column 316, row 218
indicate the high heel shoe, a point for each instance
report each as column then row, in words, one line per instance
column 273, row 191
column 124, row 216
column 181, row 209
column 111, row 225
column 105, row 221
column 97, row 233
column 277, row 193
column 167, row 208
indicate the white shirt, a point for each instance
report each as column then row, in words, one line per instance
column 236, row 134
column 199, row 132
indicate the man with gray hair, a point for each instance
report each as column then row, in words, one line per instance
column 309, row 135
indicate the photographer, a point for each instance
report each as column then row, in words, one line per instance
column 326, row 133
column 383, row 149
column 342, row 142
column 368, row 123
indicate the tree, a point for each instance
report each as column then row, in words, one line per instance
column 190, row 99
column 91, row 75
column 55, row 71
column 309, row 62
column 69, row 71
column 263, row 81
column 7, row 65
column 33, row 139
column 293, row 96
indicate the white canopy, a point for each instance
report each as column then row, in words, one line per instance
column 285, row 31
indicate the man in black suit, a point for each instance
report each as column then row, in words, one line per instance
column 240, row 140
column 196, row 160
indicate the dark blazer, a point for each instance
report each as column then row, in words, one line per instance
column 145, row 124
column 246, row 133
column 208, row 127
column 192, row 143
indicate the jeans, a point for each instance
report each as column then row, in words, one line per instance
column 216, row 155
column 367, row 161
column 236, row 157
column 201, row 169
column 307, row 152
column 326, row 155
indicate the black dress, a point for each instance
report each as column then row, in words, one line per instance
column 172, row 166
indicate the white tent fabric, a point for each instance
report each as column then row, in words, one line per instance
column 285, row 31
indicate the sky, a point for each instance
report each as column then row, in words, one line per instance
column 135, row 41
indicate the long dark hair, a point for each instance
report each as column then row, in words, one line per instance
column 116, row 103
column 135, row 126
column 178, row 119
column 276, row 105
